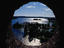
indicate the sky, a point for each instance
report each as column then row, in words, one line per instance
column 34, row 9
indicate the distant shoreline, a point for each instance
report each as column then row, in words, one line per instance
column 31, row 17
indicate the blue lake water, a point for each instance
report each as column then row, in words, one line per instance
column 18, row 33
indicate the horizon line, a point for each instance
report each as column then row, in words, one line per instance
column 32, row 16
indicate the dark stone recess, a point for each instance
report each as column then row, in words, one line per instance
column 7, row 10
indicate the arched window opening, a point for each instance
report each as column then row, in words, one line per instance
column 33, row 24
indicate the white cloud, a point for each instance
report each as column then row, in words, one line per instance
column 31, row 6
column 47, row 9
column 42, row 4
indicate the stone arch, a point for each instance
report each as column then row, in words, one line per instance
column 50, row 4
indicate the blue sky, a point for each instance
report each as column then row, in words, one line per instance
column 34, row 9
